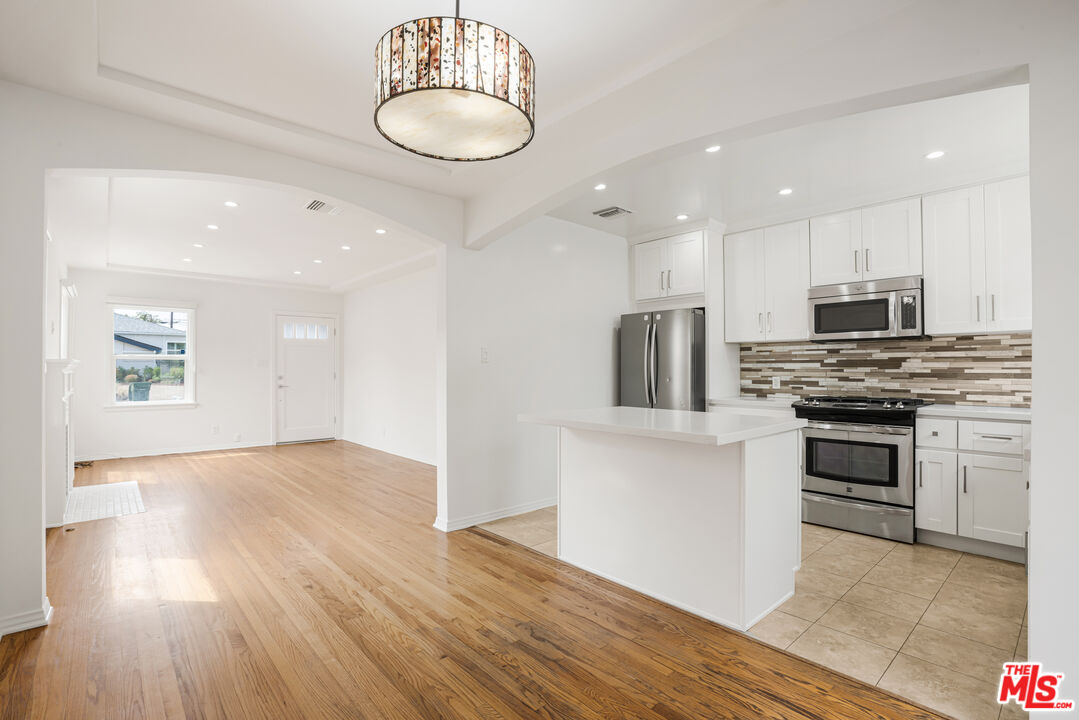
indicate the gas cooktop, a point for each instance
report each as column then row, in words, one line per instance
column 867, row 403
column 854, row 409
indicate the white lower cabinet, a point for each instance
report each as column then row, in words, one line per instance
column 992, row 498
column 935, row 496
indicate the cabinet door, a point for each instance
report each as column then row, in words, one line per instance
column 743, row 286
column 786, row 281
column 1007, row 255
column 953, row 233
column 650, row 263
column 835, row 248
column 892, row 240
column 992, row 498
column 935, row 492
column 686, row 270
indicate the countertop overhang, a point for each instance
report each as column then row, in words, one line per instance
column 720, row 427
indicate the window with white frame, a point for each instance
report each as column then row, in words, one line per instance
column 152, row 354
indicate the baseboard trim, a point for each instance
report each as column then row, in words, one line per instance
column 92, row 457
column 767, row 612
column 972, row 546
column 27, row 620
column 449, row 525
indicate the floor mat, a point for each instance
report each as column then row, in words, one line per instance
column 94, row 502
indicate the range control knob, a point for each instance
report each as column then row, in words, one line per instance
column 899, row 405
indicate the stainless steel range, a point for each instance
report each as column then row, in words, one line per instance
column 858, row 464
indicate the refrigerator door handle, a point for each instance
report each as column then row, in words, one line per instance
column 652, row 366
column 646, row 363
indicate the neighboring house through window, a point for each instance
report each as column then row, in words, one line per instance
column 152, row 358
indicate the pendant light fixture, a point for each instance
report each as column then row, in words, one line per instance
column 454, row 89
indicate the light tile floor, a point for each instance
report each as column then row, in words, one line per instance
column 96, row 502
column 537, row 529
column 926, row 623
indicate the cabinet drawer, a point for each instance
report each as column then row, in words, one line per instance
column 937, row 433
column 991, row 436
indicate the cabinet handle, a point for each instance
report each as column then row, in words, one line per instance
column 856, row 262
column 935, row 433
column 771, row 324
column 867, row 259
column 661, row 280
column 668, row 279
column 993, row 306
column 996, row 437
column 760, row 322
column 920, row 471
column 978, row 307
column 964, row 479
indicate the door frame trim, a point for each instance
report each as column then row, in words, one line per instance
column 337, row 409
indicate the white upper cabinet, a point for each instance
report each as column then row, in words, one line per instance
column 892, row 240
column 766, row 277
column 685, row 276
column 786, row 281
column 669, row 266
column 650, row 261
column 977, row 259
column 954, row 241
column 835, row 248
column 743, row 287
column 883, row 241
column 1008, row 282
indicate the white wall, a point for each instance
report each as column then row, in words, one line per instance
column 233, row 350
column 545, row 302
column 390, row 337
column 40, row 131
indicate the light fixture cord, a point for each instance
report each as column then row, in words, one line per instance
column 458, row 9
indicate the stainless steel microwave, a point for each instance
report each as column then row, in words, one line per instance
column 871, row 310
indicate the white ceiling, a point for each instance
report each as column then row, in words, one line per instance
column 834, row 165
column 153, row 223
column 296, row 77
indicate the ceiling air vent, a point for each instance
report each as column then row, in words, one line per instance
column 321, row 207
column 612, row 211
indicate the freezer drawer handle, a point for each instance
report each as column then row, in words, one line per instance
column 995, row 437
column 921, row 472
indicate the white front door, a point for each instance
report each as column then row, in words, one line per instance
column 305, row 378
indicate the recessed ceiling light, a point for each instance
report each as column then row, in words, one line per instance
column 934, row 155
column 230, row 203
column 212, row 227
column 198, row 245
column 712, row 148
column 601, row 186
column 380, row 231
column 785, row 191
column 681, row 217
column 187, row 259
column 297, row 272
column 346, row 247
column 318, row 262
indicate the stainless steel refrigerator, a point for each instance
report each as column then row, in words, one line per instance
column 662, row 359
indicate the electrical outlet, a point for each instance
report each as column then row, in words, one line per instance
column 236, row 437
column 775, row 382
column 484, row 355
column 216, row 429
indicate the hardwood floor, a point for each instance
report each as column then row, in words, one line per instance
column 306, row 581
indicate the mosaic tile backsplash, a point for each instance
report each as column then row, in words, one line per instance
column 964, row 370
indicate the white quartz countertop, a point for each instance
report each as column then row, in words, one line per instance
column 975, row 412
column 756, row 403
column 719, row 427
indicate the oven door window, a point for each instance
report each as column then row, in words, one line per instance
column 854, row 316
column 853, row 462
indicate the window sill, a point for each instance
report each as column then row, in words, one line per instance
column 154, row 405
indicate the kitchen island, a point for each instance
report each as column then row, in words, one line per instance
column 699, row 510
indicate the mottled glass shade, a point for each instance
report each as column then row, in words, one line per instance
column 454, row 89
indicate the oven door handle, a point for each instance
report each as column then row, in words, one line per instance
column 874, row 429
column 886, row 509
